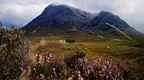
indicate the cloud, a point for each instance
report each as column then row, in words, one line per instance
column 21, row 12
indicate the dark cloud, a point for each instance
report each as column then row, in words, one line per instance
column 20, row 12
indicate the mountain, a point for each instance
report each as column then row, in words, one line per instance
column 61, row 18
column 107, row 17
column 106, row 23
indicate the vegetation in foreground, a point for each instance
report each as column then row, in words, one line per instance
column 122, row 51
column 51, row 61
column 75, row 66
column 13, row 51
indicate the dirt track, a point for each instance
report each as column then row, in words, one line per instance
column 26, row 72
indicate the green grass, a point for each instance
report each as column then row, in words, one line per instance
column 94, row 47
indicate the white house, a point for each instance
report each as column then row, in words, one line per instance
column 62, row 41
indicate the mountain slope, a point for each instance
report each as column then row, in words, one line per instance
column 59, row 16
column 99, row 22
column 64, row 18
column 99, row 25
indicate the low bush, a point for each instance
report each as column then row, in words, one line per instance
column 13, row 49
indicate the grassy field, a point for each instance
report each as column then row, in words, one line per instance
column 122, row 51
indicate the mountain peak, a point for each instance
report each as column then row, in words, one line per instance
column 60, row 16
column 105, row 13
column 57, row 7
column 108, row 17
column 65, row 9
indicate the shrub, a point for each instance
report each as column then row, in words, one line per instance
column 47, row 68
column 13, row 48
column 70, row 41
column 77, row 67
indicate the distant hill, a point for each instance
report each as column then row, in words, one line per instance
column 116, row 26
column 61, row 18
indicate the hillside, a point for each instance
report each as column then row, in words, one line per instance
column 63, row 18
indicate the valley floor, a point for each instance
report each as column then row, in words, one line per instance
column 121, row 51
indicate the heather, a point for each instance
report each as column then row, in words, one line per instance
column 22, row 61
column 13, row 51
column 75, row 66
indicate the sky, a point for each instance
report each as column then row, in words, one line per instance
column 20, row 12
